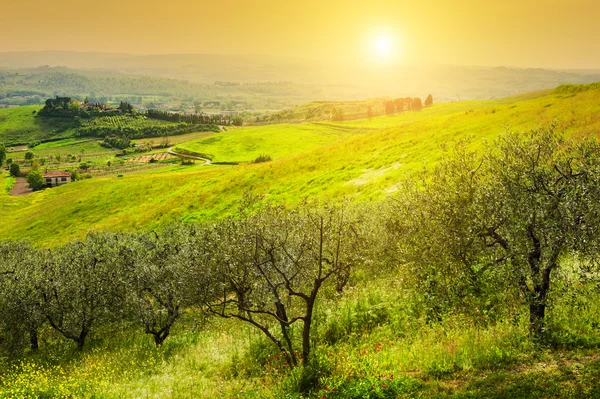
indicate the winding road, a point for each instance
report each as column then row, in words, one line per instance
column 206, row 160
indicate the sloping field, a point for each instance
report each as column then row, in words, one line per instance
column 365, row 163
column 277, row 141
column 19, row 126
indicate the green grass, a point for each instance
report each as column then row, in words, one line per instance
column 362, row 166
column 284, row 140
column 278, row 141
column 72, row 146
column 386, row 349
column 6, row 183
column 174, row 140
column 20, row 126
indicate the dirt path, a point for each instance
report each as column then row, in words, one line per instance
column 21, row 188
column 206, row 160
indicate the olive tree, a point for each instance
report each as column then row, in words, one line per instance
column 20, row 302
column 269, row 268
column 83, row 284
column 157, row 285
column 519, row 209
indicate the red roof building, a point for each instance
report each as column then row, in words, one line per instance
column 55, row 178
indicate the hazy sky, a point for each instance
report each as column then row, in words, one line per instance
column 528, row 33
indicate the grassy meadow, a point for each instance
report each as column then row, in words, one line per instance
column 375, row 339
column 374, row 342
column 366, row 165
column 18, row 126
column 277, row 141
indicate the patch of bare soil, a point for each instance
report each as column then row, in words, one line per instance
column 21, row 188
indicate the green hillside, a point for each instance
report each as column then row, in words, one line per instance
column 20, row 126
column 23, row 125
column 360, row 159
column 282, row 140
column 277, row 141
column 395, row 330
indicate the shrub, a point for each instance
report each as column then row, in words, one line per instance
column 35, row 180
column 15, row 170
column 263, row 158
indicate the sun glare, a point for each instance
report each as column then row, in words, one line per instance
column 383, row 49
column 383, row 46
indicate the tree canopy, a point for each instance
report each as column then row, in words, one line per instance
column 512, row 216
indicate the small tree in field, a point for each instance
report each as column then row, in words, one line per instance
column 20, row 303
column 417, row 104
column 2, row 153
column 15, row 170
column 429, row 100
column 238, row 120
column 157, row 291
column 399, row 103
column 35, row 180
column 389, row 107
column 83, row 285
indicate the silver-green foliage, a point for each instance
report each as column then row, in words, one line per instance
column 270, row 267
column 500, row 224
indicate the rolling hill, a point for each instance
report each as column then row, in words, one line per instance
column 360, row 159
column 19, row 126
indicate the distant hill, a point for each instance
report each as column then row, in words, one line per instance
column 25, row 86
column 315, row 80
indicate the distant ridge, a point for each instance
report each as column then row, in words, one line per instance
column 447, row 83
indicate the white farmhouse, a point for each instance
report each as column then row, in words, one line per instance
column 55, row 178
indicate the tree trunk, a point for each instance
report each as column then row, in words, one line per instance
column 160, row 338
column 537, row 312
column 283, row 324
column 33, row 339
column 306, row 332
column 81, row 339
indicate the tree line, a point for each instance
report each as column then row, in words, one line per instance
column 487, row 229
column 189, row 118
column 133, row 131
column 266, row 269
column 66, row 107
column 406, row 103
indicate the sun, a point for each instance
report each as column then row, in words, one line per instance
column 383, row 46
column 383, row 49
